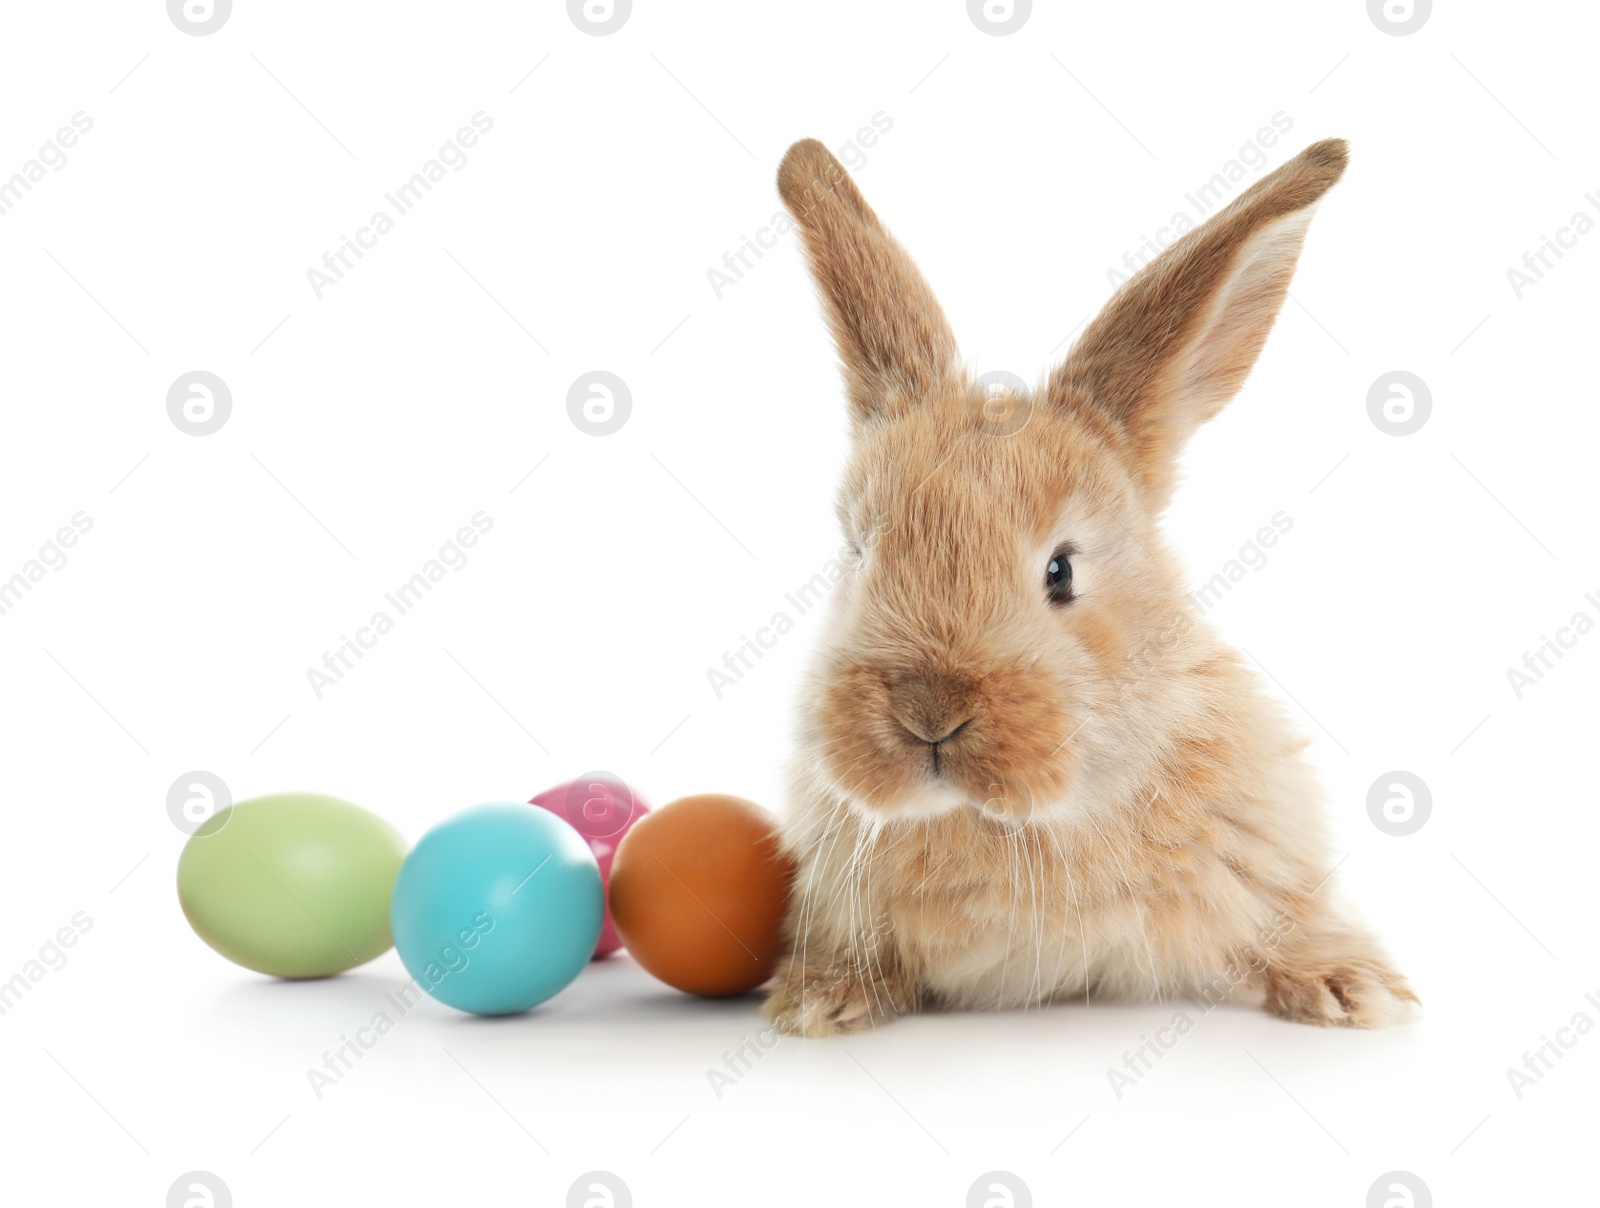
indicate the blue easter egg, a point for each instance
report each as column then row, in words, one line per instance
column 497, row 908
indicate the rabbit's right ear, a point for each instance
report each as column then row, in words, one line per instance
column 892, row 336
column 1176, row 342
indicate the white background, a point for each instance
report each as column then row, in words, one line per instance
column 369, row 425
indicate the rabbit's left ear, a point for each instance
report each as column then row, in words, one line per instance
column 1177, row 341
column 892, row 335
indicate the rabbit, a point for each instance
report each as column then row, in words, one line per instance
column 1028, row 771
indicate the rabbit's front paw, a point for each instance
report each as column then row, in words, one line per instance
column 1353, row 994
column 833, row 1000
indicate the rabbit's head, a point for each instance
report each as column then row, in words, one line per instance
column 1004, row 633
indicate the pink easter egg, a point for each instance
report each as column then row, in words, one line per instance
column 600, row 807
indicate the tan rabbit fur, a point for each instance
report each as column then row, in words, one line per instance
column 1000, row 799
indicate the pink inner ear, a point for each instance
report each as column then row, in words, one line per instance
column 1235, row 325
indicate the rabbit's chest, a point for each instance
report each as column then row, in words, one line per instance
column 1009, row 940
column 1033, row 932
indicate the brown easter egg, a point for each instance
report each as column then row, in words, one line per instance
column 698, row 894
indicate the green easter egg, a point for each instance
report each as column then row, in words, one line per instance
column 295, row 885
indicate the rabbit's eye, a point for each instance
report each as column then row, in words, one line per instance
column 1058, row 576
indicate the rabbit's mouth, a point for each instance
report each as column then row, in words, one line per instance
column 920, row 743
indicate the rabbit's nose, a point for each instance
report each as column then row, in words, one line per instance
column 931, row 708
column 922, row 733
